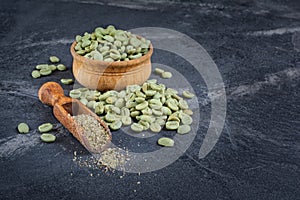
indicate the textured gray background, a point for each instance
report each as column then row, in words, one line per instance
column 256, row 46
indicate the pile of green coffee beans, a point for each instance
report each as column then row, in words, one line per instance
column 148, row 106
column 111, row 45
column 46, row 69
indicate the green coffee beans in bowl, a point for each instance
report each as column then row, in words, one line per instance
column 109, row 58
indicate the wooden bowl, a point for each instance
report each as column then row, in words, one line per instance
column 103, row 76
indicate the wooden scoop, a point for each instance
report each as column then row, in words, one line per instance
column 51, row 93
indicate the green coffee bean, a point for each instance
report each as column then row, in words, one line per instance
column 157, row 96
column 78, row 38
column 186, row 119
column 155, row 127
column 166, row 142
column 88, row 55
column 172, row 125
column 125, row 111
column 116, row 110
column 173, row 118
column 91, row 104
column 147, row 118
column 86, row 36
column 85, row 43
column 23, row 128
column 35, row 74
column 157, row 112
column 99, row 109
column 100, row 30
column 155, row 87
column 134, row 113
column 109, row 117
column 97, row 56
column 104, row 96
column 175, row 114
column 146, row 125
column 115, row 125
column 188, row 112
column 130, row 104
column 78, row 46
column 114, row 51
column 120, row 103
column 166, row 110
column 140, row 94
column 75, row 94
column 118, row 43
column 94, row 45
column 104, row 49
column 66, row 81
column 160, row 121
column 52, row 67
column 159, row 71
column 111, row 100
column 183, row 104
column 183, row 129
column 132, row 57
column 126, row 120
column 142, row 105
column 150, row 92
column 108, row 38
column 163, row 99
column 137, row 127
column 139, row 50
column 121, row 36
column 41, row 66
column 171, row 103
column 45, row 71
column 45, row 127
column 54, row 59
column 166, row 75
column 139, row 99
column 147, row 111
column 134, row 42
column 155, row 104
column 81, row 52
column 145, row 87
column 122, row 94
column 93, row 36
column 61, row 67
column 108, row 107
column 175, row 96
column 91, row 97
column 129, row 49
column 115, row 56
column 187, row 94
column 171, row 91
column 152, row 81
column 124, row 55
column 83, row 89
column 47, row 137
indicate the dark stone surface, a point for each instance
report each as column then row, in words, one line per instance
column 255, row 45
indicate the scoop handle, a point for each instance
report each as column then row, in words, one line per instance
column 51, row 93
